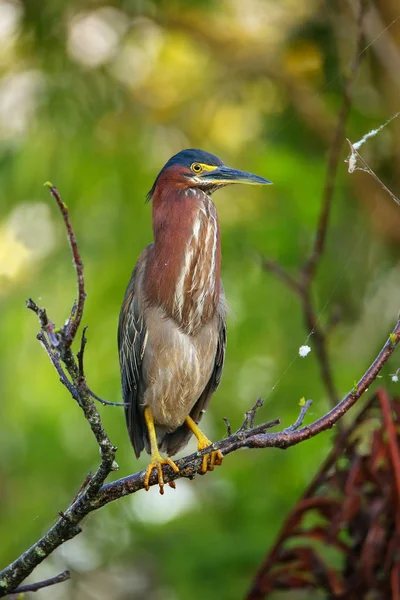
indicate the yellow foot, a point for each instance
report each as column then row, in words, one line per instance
column 157, row 462
column 211, row 460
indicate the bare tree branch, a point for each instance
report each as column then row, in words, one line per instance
column 291, row 436
column 302, row 285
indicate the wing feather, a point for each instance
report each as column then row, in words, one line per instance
column 132, row 340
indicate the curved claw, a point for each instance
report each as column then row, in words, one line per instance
column 157, row 462
column 215, row 457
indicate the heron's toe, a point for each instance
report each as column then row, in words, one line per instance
column 157, row 462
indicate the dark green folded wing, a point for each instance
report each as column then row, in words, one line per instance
column 132, row 336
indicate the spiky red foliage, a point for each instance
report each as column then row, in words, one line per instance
column 343, row 536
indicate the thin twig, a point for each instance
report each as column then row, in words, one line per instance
column 85, row 483
column 34, row 587
column 82, row 379
column 299, row 421
column 274, row 267
column 77, row 309
column 41, row 313
column 228, row 426
column 249, row 416
column 57, row 365
column 252, row 413
column 102, row 401
column 260, row 428
column 45, row 324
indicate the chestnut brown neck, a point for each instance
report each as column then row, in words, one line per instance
column 183, row 268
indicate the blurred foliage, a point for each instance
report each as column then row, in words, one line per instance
column 96, row 97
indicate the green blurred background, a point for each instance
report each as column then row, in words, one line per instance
column 95, row 97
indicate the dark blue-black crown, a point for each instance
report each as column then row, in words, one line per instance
column 187, row 158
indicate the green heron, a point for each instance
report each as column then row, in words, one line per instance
column 172, row 327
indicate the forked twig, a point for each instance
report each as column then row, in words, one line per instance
column 299, row 421
column 75, row 318
column 82, row 378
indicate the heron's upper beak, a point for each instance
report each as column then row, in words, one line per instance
column 225, row 175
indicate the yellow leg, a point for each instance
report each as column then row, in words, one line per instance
column 156, row 461
column 215, row 456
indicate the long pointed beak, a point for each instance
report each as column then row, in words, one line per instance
column 225, row 175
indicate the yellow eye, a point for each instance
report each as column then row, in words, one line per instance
column 196, row 168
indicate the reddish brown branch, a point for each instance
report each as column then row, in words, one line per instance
column 284, row 439
column 312, row 263
column 274, row 267
column 302, row 286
